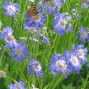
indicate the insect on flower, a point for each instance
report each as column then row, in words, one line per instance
column 33, row 13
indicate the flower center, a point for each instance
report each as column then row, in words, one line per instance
column 18, row 87
column 32, row 30
column 74, row 60
column 61, row 65
column 11, row 9
column 84, row 34
column 38, row 19
column 80, row 52
column 62, row 23
column 37, row 66
column 18, row 52
column 10, row 38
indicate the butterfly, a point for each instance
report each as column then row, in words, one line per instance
column 33, row 13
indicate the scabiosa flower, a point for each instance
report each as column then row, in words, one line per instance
column 61, row 25
column 35, row 67
column 19, row 52
column 73, row 61
column 85, row 4
column 50, row 7
column 11, row 9
column 59, row 65
column 5, row 32
column 37, row 23
column 17, row 85
column 81, row 52
column 83, row 34
column 7, row 35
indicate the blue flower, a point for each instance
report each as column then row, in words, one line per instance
column 37, row 23
column 35, row 67
column 7, row 35
column 61, row 23
column 50, row 7
column 59, row 65
column 83, row 34
column 17, row 85
column 85, row 4
column 81, row 52
column 11, row 9
column 73, row 61
column 19, row 52
column 5, row 32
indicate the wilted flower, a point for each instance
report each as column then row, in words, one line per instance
column 19, row 52
column 17, row 85
column 2, row 74
column 35, row 67
column 11, row 9
column 76, row 13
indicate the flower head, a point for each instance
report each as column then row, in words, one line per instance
column 60, row 24
column 59, row 65
column 81, row 52
column 17, row 85
column 7, row 35
column 50, row 7
column 6, row 31
column 73, row 61
column 11, row 9
column 19, row 52
column 85, row 4
column 83, row 34
column 37, row 23
column 35, row 67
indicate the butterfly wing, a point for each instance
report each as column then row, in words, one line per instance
column 33, row 13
